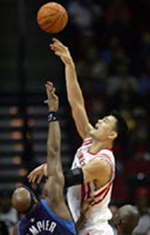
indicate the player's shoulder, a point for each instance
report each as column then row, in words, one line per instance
column 106, row 154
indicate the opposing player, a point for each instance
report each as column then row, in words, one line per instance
column 94, row 160
column 49, row 215
column 126, row 219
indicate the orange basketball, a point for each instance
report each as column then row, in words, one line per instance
column 52, row 17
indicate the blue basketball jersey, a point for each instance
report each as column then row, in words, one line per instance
column 42, row 221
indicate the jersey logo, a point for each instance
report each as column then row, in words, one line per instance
column 81, row 158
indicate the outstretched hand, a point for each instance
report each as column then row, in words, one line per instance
column 37, row 174
column 52, row 99
column 62, row 51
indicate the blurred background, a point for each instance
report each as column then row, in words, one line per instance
column 110, row 43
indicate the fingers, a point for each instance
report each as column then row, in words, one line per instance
column 50, row 90
column 49, row 85
column 39, row 179
column 57, row 41
column 30, row 177
column 56, row 45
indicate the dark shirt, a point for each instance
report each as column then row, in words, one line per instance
column 43, row 221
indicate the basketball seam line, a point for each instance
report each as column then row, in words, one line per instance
column 53, row 22
column 53, row 9
column 43, row 17
column 62, row 14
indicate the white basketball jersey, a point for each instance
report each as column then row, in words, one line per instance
column 99, row 199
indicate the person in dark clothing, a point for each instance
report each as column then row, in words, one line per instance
column 49, row 215
column 3, row 228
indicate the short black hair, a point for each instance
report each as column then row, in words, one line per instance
column 121, row 125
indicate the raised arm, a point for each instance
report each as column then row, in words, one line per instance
column 54, row 135
column 53, row 188
column 75, row 96
column 55, row 182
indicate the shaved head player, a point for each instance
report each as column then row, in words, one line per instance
column 50, row 215
column 126, row 219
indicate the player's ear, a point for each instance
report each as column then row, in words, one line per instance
column 117, row 220
column 113, row 135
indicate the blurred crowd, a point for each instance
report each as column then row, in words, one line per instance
column 110, row 43
column 111, row 48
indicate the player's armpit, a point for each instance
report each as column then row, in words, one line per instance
column 99, row 170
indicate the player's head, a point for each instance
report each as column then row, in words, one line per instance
column 126, row 219
column 23, row 199
column 110, row 128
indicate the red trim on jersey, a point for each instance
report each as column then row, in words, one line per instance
column 105, row 155
column 94, row 203
column 110, row 149
column 86, row 142
column 82, row 193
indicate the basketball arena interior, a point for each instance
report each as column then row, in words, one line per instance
column 110, row 44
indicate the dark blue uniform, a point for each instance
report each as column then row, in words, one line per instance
column 43, row 221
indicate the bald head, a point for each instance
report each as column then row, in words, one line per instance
column 21, row 199
column 126, row 219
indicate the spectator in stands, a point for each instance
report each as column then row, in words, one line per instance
column 8, row 215
column 126, row 219
column 142, row 202
column 84, row 14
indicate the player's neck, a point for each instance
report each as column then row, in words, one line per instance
column 31, row 209
column 97, row 146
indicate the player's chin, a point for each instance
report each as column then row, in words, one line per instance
column 93, row 132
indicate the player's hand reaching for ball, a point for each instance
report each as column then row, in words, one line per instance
column 62, row 51
column 52, row 99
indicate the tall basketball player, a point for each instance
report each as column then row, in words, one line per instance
column 94, row 161
column 49, row 215
column 95, row 156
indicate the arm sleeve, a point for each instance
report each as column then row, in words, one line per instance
column 74, row 177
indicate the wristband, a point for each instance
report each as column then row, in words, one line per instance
column 52, row 116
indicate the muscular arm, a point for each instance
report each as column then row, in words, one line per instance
column 54, row 168
column 53, row 148
column 53, row 189
column 76, row 101
column 55, row 181
column 74, row 92
column 98, row 171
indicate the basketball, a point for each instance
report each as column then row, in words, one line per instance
column 52, row 17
